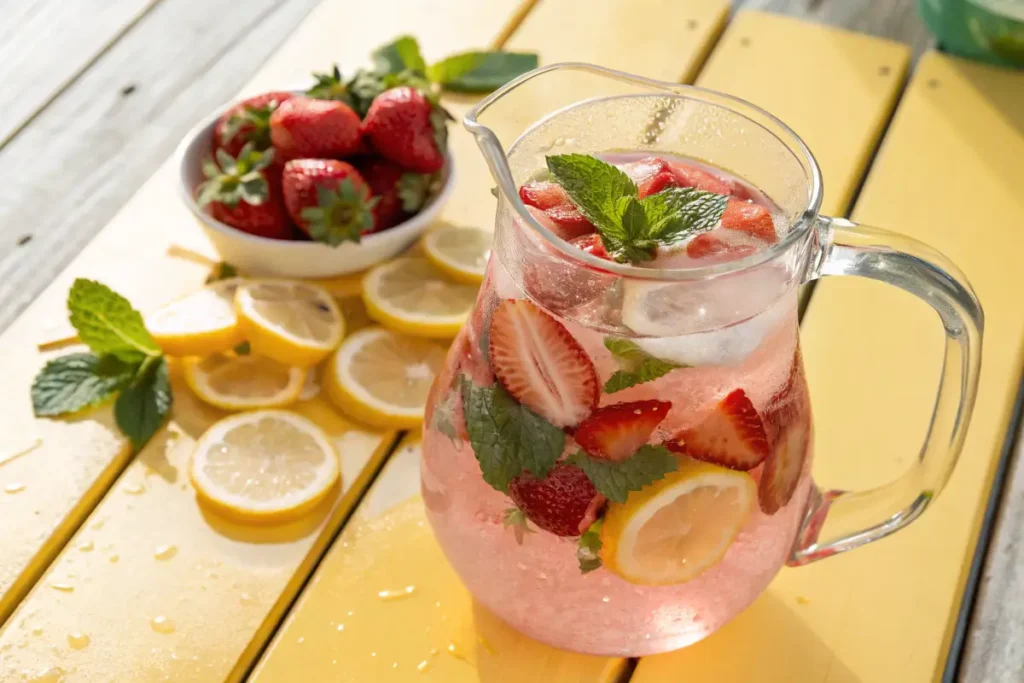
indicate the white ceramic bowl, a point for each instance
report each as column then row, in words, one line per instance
column 261, row 256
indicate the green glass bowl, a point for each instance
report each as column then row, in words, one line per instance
column 990, row 30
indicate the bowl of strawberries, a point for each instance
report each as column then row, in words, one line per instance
column 333, row 179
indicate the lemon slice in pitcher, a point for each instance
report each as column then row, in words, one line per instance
column 199, row 324
column 459, row 252
column 294, row 323
column 264, row 466
column 410, row 295
column 674, row 529
column 243, row 382
column 383, row 378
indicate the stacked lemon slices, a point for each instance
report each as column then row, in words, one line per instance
column 255, row 347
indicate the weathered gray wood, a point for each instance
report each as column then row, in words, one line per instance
column 895, row 19
column 995, row 643
column 46, row 44
column 68, row 172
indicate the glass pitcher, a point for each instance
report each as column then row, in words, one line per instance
column 616, row 457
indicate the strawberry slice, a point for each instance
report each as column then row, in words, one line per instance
column 784, row 466
column 789, row 403
column 615, row 432
column 651, row 175
column 732, row 436
column 540, row 364
column 691, row 176
column 592, row 244
column 713, row 244
column 564, row 503
column 551, row 199
column 753, row 219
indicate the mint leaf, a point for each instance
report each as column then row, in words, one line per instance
column 595, row 187
column 676, row 213
column 414, row 189
column 638, row 366
column 480, row 72
column 400, row 55
column 632, row 244
column 107, row 323
column 589, row 551
column 77, row 381
column 222, row 271
column 507, row 437
column 444, row 416
column 614, row 480
column 143, row 405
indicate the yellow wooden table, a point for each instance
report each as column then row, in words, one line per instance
column 109, row 571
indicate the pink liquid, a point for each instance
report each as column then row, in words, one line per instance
column 537, row 586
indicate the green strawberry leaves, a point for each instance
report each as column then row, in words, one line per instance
column 637, row 366
column 615, row 480
column 124, row 362
column 588, row 552
column 342, row 214
column 230, row 180
column 507, row 437
column 632, row 228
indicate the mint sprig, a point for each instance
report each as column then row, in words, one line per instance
column 124, row 362
column 632, row 228
column 637, row 366
column 507, row 437
column 615, row 480
column 588, row 552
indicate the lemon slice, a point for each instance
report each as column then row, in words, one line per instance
column 459, row 252
column 674, row 529
column 199, row 324
column 292, row 322
column 263, row 466
column 410, row 295
column 243, row 382
column 383, row 378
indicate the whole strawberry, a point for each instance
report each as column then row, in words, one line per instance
column 399, row 193
column 560, row 503
column 307, row 128
column 248, row 122
column 328, row 200
column 244, row 193
column 404, row 127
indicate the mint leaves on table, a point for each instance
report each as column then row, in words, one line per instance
column 507, row 437
column 588, row 552
column 632, row 228
column 615, row 480
column 124, row 362
column 401, row 63
column 637, row 366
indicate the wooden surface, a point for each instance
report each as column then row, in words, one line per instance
column 111, row 107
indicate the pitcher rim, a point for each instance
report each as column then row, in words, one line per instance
column 495, row 155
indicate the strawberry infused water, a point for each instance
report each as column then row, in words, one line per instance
column 619, row 465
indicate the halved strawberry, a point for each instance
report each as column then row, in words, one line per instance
column 732, row 436
column 540, row 364
column 712, row 243
column 784, row 466
column 556, row 205
column 691, row 176
column 789, row 403
column 753, row 219
column 615, row 432
column 560, row 502
column 592, row 244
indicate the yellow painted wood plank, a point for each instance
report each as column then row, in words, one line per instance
column 74, row 465
column 385, row 606
column 950, row 173
column 835, row 88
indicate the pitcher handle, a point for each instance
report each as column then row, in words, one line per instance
column 838, row 520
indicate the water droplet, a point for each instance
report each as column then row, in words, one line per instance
column 11, row 456
column 246, row 599
column 86, row 546
column 62, row 587
column 52, row 675
column 373, row 654
column 114, row 558
column 455, row 651
column 801, row 600
column 486, row 645
column 606, row 599
column 162, row 624
column 396, row 594
column 341, row 627
column 37, row 631
column 14, row 488
column 134, row 489
column 350, row 612
column 165, row 552
column 98, row 524
column 78, row 641
column 301, row 640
